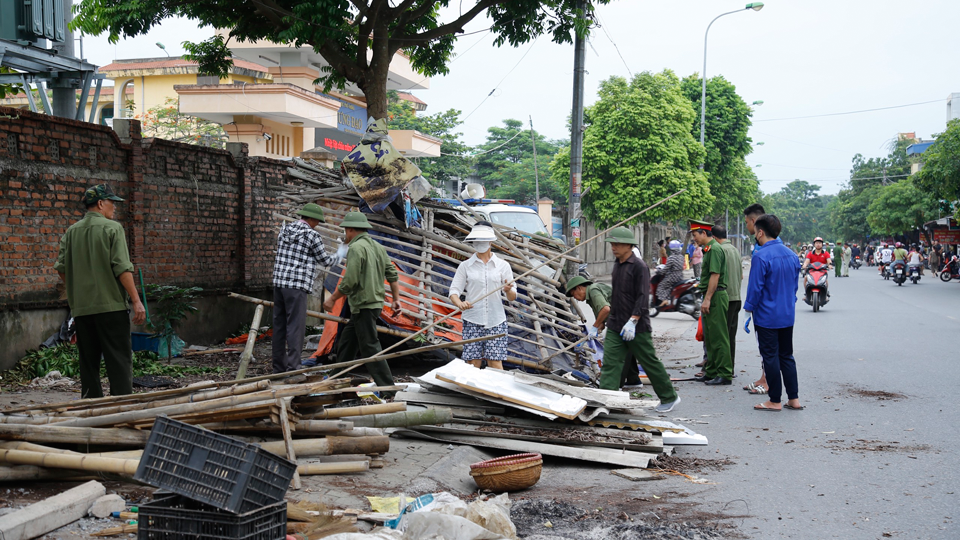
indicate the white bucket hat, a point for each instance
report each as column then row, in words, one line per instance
column 482, row 232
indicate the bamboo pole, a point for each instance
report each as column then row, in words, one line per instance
column 567, row 348
column 93, row 402
column 70, row 461
column 74, row 435
column 251, row 341
column 333, row 468
column 405, row 419
column 376, row 357
column 288, row 442
column 363, row 410
column 21, row 473
column 117, row 531
column 192, row 398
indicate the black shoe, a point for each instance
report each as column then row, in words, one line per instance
column 703, row 378
column 718, row 381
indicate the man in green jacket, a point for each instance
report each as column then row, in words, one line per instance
column 597, row 296
column 713, row 286
column 734, row 279
column 95, row 266
column 368, row 265
column 837, row 258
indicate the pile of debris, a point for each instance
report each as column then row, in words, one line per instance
column 552, row 415
column 423, row 238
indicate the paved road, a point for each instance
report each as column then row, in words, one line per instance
column 849, row 466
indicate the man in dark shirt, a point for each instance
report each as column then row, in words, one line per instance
column 628, row 326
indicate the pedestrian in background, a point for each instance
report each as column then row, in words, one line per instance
column 368, row 266
column 483, row 315
column 662, row 252
column 935, row 260
column 696, row 260
column 847, row 257
column 771, row 298
column 837, row 259
column 734, row 280
column 94, row 265
column 299, row 250
column 713, row 285
column 628, row 326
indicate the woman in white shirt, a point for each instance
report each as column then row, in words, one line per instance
column 476, row 277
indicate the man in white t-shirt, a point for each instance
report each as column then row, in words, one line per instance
column 886, row 257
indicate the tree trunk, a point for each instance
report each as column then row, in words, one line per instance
column 375, row 83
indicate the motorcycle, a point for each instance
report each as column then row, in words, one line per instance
column 913, row 273
column 684, row 298
column 898, row 271
column 815, row 286
column 856, row 263
column 950, row 270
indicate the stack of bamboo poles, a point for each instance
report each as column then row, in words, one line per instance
column 542, row 319
column 308, row 420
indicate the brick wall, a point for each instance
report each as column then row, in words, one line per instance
column 193, row 216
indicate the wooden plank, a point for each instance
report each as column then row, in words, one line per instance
column 288, row 441
column 625, row 458
column 466, row 429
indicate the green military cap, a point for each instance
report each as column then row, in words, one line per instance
column 700, row 226
column 621, row 235
column 101, row 192
column 355, row 220
column 312, row 210
column 576, row 282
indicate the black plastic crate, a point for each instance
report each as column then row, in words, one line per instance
column 174, row 517
column 211, row 468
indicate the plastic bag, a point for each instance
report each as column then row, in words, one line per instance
column 480, row 520
column 700, row 329
column 176, row 345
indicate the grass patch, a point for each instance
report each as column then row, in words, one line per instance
column 65, row 358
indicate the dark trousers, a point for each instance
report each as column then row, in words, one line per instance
column 359, row 336
column 105, row 335
column 776, row 348
column 733, row 321
column 289, row 326
column 631, row 372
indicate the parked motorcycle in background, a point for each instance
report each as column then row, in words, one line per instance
column 815, row 286
column 950, row 270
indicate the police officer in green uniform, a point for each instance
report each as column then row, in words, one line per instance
column 597, row 296
column 368, row 265
column 837, row 258
column 628, row 326
column 95, row 266
column 713, row 286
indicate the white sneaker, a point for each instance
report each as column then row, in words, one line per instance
column 667, row 407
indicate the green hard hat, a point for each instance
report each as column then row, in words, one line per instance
column 355, row 220
column 576, row 282
column 312, row 210
column 101, row 192
column 621, row 235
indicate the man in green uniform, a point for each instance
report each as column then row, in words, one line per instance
column 734, row 279
column 837, row 258
column 368, row 265
column 95, row 266
column 628, row 325
column 713, row 286
column 597, row 296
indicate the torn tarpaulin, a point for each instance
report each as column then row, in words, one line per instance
column 376, row 168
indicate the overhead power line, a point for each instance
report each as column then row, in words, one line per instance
column 850, row 112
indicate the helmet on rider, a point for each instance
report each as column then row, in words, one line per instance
column 899, row 244
column 674, row 244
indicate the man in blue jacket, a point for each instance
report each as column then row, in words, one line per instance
column 771, row 298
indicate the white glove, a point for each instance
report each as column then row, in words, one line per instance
column 342, row 251
column 746, row 324
column 629, row 330
column 592, row 331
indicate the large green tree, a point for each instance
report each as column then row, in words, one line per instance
column 358, row 38
column 802, row 212
column 637, row 149
column 505, row 164
column 726, row 141
column 940, row 174
column 900, row 208
column 454, row 162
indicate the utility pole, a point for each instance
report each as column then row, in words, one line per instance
column 536, row 171
column 64, row 101
column 571, row 225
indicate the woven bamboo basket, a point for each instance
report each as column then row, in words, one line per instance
column 508, row 473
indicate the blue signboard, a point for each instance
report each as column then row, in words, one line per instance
column 351, row 118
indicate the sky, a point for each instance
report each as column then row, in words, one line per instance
column 800, row 57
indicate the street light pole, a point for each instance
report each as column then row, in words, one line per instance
column 755, row 6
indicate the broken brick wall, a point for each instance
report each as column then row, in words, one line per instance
column 193, row 216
